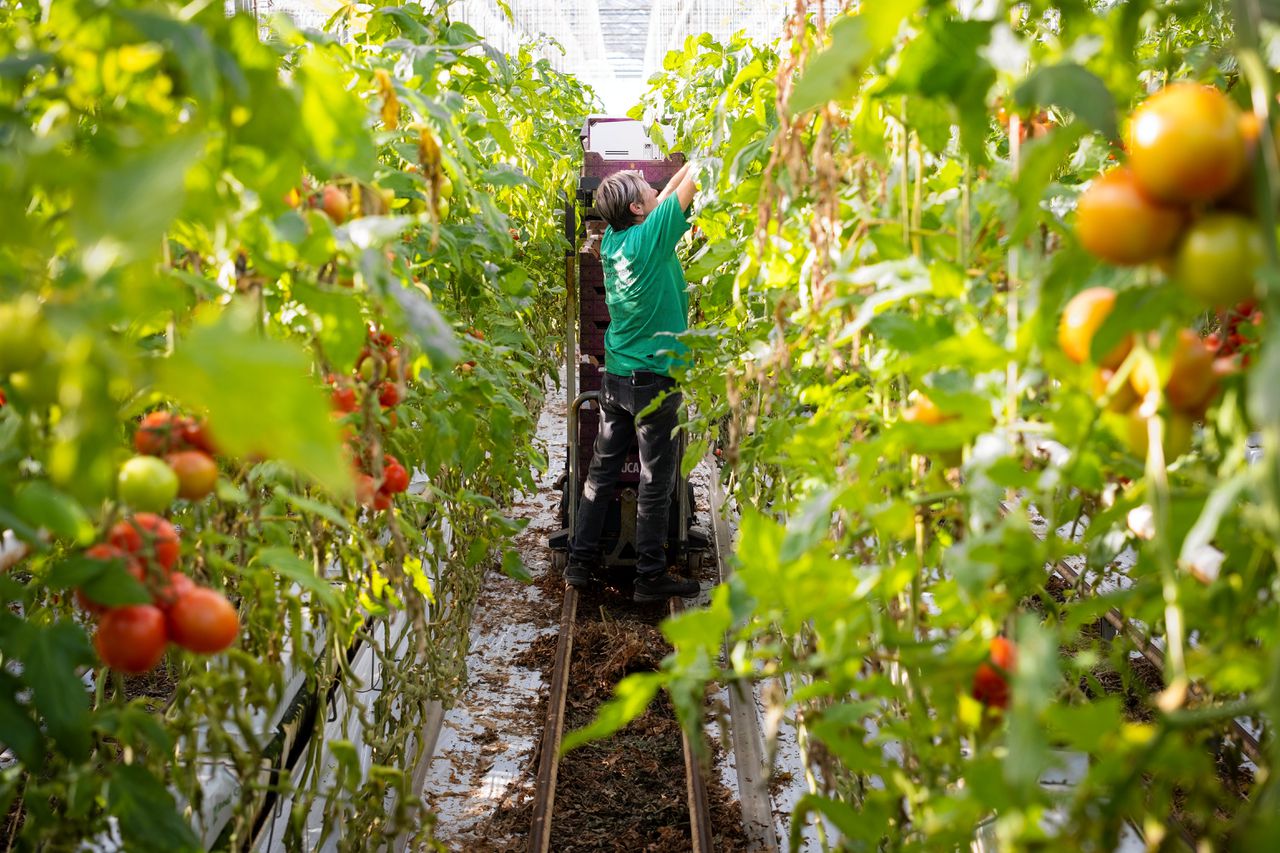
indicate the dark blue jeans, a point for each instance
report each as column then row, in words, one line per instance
column 622, row 398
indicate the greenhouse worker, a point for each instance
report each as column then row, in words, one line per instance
column 648, row 306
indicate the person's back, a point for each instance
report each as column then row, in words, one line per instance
column 648, row 305
column 646, row 292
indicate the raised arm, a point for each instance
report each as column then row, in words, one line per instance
column 674, row 183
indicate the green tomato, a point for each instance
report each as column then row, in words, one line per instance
column 446, row 187
column 1218, row 257
column 21, row 335
column 147, row 484
column 444, row 209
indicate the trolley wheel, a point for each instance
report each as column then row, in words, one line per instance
column 559, row 559
column 693, row 562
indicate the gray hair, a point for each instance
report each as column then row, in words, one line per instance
column 616, row 194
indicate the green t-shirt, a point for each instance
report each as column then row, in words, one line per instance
column 646, row 292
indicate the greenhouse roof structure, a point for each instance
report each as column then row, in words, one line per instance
column 613, row 45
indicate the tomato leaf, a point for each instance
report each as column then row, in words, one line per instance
column 856, row 40
column 148, row 816
column 513, row 566
column 259, row 397
column 50, row 655
column 632, row 695
column 333, row 118
column 1072, row 88
column 289, row 565
column 41, row 505
column 115, row 587
column 17, row 730
column 430, row 330
column 507, row 176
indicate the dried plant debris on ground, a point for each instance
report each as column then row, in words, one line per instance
column 627, row 792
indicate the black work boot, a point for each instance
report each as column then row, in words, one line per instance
column 579, row 574
column 664, row 585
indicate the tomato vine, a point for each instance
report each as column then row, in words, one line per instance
column 211, row 223
column 888, row 244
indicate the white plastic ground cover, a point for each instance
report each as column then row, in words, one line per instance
column 486, row 749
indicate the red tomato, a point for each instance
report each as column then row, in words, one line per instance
column 158, row 433
column 175, row 586
column 389, row 395
column 395, row 478
column 344, row 399
column 131, row 639
column 1116, row 222
column 203, row 621
column 991, row 681
column 197, row 473
column 382, row 501
column 196, row 435
column 148, row 535
column 1081, row 320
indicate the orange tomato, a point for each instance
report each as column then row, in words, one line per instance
column 197, row 473
column 203, row 620
column 1186, row 144
column 1192, row 381
column 1117, row 222
column 1081, row 320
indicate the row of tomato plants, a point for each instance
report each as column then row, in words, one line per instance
column 256, row 282
column 970, row 275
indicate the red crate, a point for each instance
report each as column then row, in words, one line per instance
column 594, row 310
column 654, row 171
column 592, row 337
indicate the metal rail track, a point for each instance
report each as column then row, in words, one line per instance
column 553, row 732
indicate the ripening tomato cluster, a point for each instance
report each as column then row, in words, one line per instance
column 1195, row 372
column 1181, row 200
column 377, row 494
column 1184, row 195
column 175, row 459
column 379, row 367
column 132, row 638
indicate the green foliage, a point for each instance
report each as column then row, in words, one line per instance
column 879, row 244
column 165, row 167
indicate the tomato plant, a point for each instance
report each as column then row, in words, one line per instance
column 208, row 223
column 868, row 232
